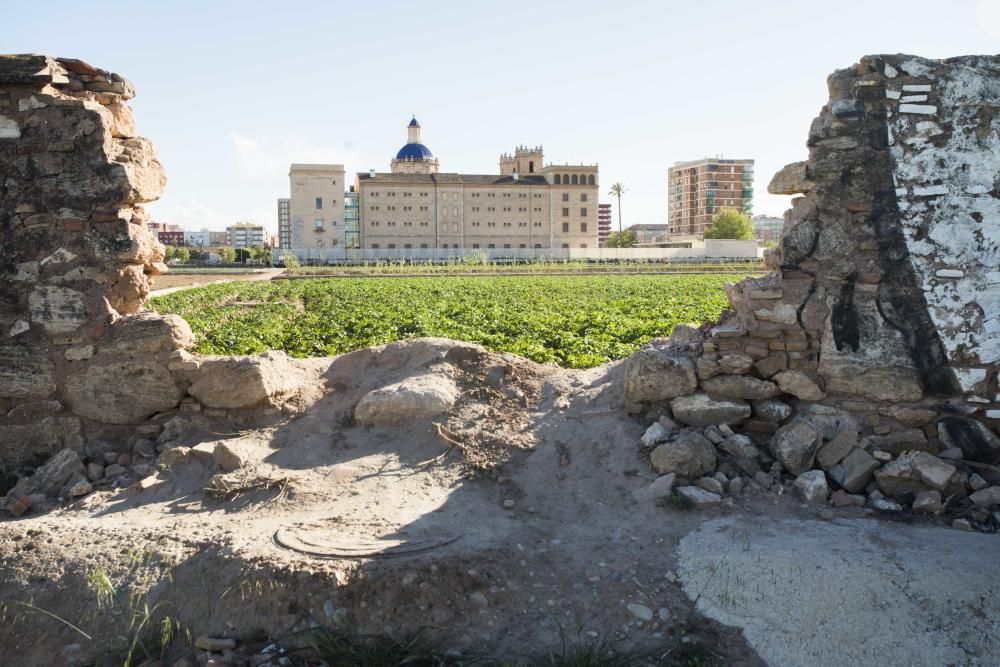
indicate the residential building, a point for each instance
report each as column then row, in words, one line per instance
column 174, row 238
column 527, row 205
column 285, row 223
column 767, row 228
column 696, row 190
column 157, row 227
column 653, row 233
column 247, row 235
column 316, row 207
column 603, row 223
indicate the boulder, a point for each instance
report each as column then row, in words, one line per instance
column 415, row 397
column 977, row 442
column 702, row 410
column 655, row 434
column 912, row 472
column 661, row 487
column 799, row 384
column 791, row 179
column 831, row 422
column 772, row 410
column 897, row 442
column 25, row 371
column 710, row 484
column 147, row 333
column 927, row 502
column 657, row 373
column 122, row 392
column 877, row 384
column 271, row 378
column 795, row 445
column 685, row 334
column 739, row 446
column 834, row 451
column 689, row 455
column 811, row 485
column 988, row 497
column 857, row 470
column 699, row 498
column 740, row 386
column 51, row 477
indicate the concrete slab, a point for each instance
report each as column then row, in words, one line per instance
column 852, row 592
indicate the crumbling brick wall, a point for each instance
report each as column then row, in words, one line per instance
column 882, row 308
column 75, row 253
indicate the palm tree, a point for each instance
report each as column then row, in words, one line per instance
column 617, row 190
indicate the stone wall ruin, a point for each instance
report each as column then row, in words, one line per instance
column 880, row 318
column 79, row 362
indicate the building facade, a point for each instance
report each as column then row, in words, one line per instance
column 284, row 223
column 527, row 205
column 247, row 236
column 696, row 190
column 650, row 233
column 767, row 228
column 174, row 238
column 316, row 207
column 352, row 230
column 603, row 223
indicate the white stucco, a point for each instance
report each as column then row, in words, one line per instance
column 952, row 224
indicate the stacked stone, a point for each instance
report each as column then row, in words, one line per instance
column 75, row 251
column 80, row 365
column 881, row 311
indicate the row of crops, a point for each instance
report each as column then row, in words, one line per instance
column 574, row 321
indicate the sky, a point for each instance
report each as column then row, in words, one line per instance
column 232, row 93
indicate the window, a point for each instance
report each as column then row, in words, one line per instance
column 583, row 212
column 583, row 226
column 319, row 243
column 566, row 246
column 565, row 196
column 506, row 245
column 565, row 212
column 522, row 246
column 319, row 202
column 531, row 170
column 319, row 223
column 392, row 246
column 590, row 180
column 575, row 181
column 491, row 246
column 475, row 246
column 558, row 180
column 583, row 245
column 407, row 246
column 583, row 197
column 423, row 246
column 374, row 246
column 334, row 181
column 566, row 227
column 538, row 245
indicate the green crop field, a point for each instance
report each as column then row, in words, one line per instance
column 575, row 321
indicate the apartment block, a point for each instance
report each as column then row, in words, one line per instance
column 247, row 236
column 767, row 228
column 697, row 189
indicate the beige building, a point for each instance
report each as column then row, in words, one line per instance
column 696, row 190
column 247, row 236
column 527, row 205
column 316, row 209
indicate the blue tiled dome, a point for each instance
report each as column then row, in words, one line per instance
column 414, row 152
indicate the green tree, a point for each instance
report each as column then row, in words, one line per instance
column 623, row 239
column 729, row 223
column 227, row 254
column 617, row 190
